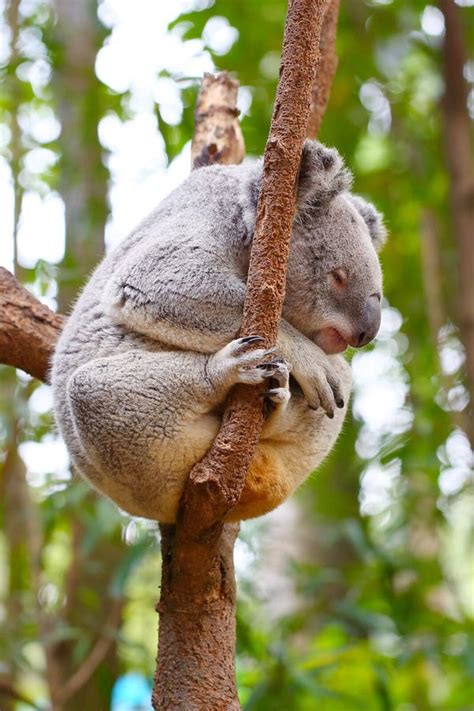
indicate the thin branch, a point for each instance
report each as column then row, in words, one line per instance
column 216, row 483
column 321, row 89
column 458, row 151
column 97, row 654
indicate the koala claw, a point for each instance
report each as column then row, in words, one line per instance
column 238, row 361
column 243, row 343
column 278, row 369
column 240, row 351
column 329, row 412
column 321, row 393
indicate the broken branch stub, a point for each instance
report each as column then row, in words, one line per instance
column 217, row 134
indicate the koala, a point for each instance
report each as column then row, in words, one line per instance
column 148, row 356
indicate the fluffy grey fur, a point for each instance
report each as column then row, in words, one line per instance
column 148, row 355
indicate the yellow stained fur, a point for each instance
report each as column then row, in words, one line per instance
column 266, row 485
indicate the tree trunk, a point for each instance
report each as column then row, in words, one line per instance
column 196, row 658
column 326, row 69
column 459, row 162
column 217, row 134
column 83, row 187
column 83, row 176
column 196, row 594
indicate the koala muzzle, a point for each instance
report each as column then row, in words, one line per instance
column 369, row 324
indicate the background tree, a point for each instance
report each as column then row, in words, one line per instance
column 73, row 608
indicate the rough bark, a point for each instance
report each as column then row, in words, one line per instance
column 326, row 69
column 28, row 329
column 196, row 652
column 217, row 134
column 197, row 603
column 458, row 150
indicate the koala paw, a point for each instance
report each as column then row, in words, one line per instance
column 278, row 371
column 321, row 387
column 238, row 363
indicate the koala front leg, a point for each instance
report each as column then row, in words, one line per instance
column 197, row 304
column 181, row 299
column 322, row 378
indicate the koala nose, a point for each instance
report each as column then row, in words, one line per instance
column 370, row 321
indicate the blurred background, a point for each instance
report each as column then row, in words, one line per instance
column 358, row 593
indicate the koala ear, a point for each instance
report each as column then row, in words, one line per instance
column 322, row 175
column 372, row 218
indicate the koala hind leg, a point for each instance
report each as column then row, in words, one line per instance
column 140, row 420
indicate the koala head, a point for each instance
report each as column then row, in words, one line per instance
column 334, row 285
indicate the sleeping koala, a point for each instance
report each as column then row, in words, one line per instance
column 149, row 353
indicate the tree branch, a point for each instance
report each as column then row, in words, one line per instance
column 197, row 604
column 28, row 329
column 216, row 482
column 97, row 654
column 458, row 151
column 328, row 61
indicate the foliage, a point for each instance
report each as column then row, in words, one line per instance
column 381, row 607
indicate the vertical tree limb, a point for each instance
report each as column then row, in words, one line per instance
column 436, row 312
column 327, row 66
column 458, row 151
column 197, row 620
